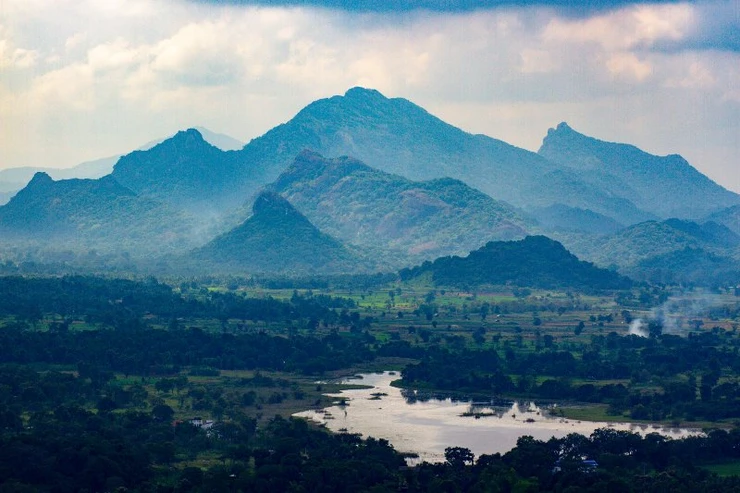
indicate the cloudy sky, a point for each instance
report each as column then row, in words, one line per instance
column 83, row 79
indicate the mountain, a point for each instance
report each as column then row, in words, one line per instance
column 535, row 261
column 390, row 134
column 373, row 209
column 14, row 179
column 559, row 217
column 690, row 266
column 398, row 137
column 654, row 244
column 185, row 171
column 99, row 214
column 666, row 186
column 729, row 217
column 276, row 238
column 221, row 141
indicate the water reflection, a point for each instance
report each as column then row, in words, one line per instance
column 426, row 424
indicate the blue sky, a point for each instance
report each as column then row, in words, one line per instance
column 83, row 79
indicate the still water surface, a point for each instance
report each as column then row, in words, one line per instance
column 427, row 428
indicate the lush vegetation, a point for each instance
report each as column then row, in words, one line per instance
column 534, row 261
column 385, row 212
column 101, row 379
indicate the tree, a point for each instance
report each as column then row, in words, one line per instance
column 459, row 456
column 163, row 412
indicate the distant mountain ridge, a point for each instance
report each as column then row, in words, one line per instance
column 414, row 188
column 658, row 245
column 396, row 136
column 667, row 186
column 14, row 179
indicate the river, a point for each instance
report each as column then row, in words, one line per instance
column 427, row 427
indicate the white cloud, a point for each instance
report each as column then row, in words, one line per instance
column 75, row 40
column 628, row 65
column 627, row 28
column 12, row 57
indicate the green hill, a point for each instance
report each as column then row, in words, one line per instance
column 373, row 209
column 689, row 266
column 535, row 261
column 99, row 214
column 653, row 249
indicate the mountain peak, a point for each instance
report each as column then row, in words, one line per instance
column 562, row 129
column 363, row 93
column 40, row 178
column 183, row 140
column 191, row 134
column 277, row 238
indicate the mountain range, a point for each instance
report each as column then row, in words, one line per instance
column 650, row 250
column 383, row 177
column 369, row 208
column 14, row 179
column 667, row 186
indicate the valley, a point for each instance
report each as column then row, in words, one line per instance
column 169, row 324
column 144, row 359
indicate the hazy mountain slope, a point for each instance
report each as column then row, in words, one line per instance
column 371, row 208
column 277, row 238
column 689, row 266
column 631, row 246
column 100, row 214
column 667, row 186
column 566, row 190
column 14, row 179
column 559, row 217
column 729, row 217
column 399, row 137
column 535, row 261
column 393, row 135
column 185, row 171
